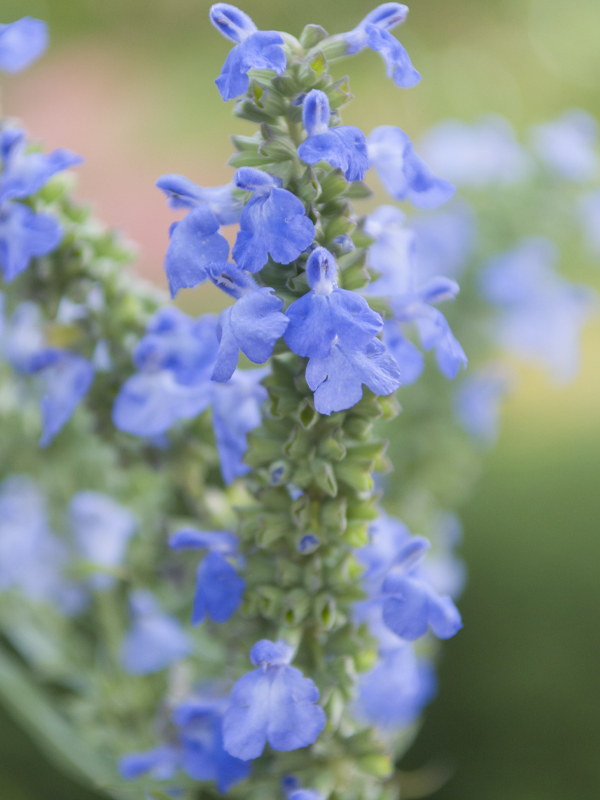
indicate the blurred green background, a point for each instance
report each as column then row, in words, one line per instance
column 129, row 84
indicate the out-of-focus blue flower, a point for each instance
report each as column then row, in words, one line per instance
column 183, row 193
column 32, row 558
column 407, row 355
column 444, row 570
column 478, row 402
column 161, row 763
column 273, row 704
column 373, row 32
column 219, row 588
column 393, row 253
column 22, row 336
column 175, row 360
column 435, row 334
column 253, row 324
column 23, row 236
column 590, row 217
column 482, row 154
column 21, row 43
column 235, row 412
column 200, row 726
column 403, row 173
column 154, row 639
column 411, row 606
column 540, row 314
column 102, row 529
column 67, row 378
column 344, row 146
column 273, row 222
column 195, row 245
column 254, row 49
column 291, row 789
column 23, row 173
column 328, row 314
column 568, row 145
column 393, row 693
column 444, row 241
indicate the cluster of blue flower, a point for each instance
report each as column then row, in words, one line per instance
column 314, row 315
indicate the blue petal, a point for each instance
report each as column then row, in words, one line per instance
column 568, row 145
column 273, row 224
column 343, row 147
column 236, row 411
column 219, row 590
column 252, row 325
column 435, row 334
column 409, row 358
column 275, row 705
column 161, row 762
column 385, row 16
column 195, row 244
column 23, row 236
column 21, row 43
column 204, row 758
column 260, row 50
column 67, row 379
column 183, row 193
column 477, row 404
column 337, row 380
column 413, row 606
column 215, row 541
column 267, row 653
column 231, row 22
column 316, row 112
column 398, row 63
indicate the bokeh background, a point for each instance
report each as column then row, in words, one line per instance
column 129, row 84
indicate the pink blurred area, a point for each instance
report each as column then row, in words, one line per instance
column 86, row 99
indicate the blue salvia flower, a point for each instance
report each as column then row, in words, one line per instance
column 485, row 153
column 540, row 314
column 21, row 43
column 403, row 173
column 102, row 529
column 477, row 402
column 154, row 639
column 291, row 789
column 590, row 219
column 194, row 245
column 175, row 361
column 273, row 222
column 373, row 32
column 219, row 588
column 392, row 694
column 275, row 703
column 160, row 763
column 444, row 570
column 235, row 412
column 406, row 354
column 254, row 49
column 392, row 255
column 183, row 193
column 24, row 235
column 32, row 558
column 337, row 330
column 199, row 724
column 24, row 173
column 344, row 146
column 253, row 324
column 567, row 146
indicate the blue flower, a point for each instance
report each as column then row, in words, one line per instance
column 344, row 147
column 21, row 43
column 175, row 361
column 67, row 378
column 407, row 355
column 254, row 49
column 219, row 588
column 253, row 324
column 435, row 334
column 478, row 401
column 402, row 172
column 393, row 253
column 567, row 146
column 328, row 314
column 102, row 529
column 23, row 236
column 292, row 790
column 444, row 241
column 200, row 726
column 373, row 32
column 273, row 222
column 154, row 639
column 161, row 763
column 483, row 154
column 273, row 704
column 195, row 245
column 411, row 607
column 22, row 336
column 590, row 219
column 32, row 558
column 235, row 412
column 393, row 693
column 182, row 193
column 540, row 314
column 23, row 173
